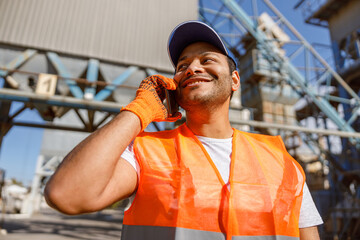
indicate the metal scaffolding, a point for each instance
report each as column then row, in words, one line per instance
column 272, row 57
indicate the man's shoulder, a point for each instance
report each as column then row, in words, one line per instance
column 256, row 135
column 269, row 140
column 160, row 134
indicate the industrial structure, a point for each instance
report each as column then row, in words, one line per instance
column 77, row 63
column 343, row 22
column 79, row 66
column 295, row 86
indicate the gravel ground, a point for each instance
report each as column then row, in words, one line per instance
column 51, row 225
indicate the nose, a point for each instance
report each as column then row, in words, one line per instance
column 194, row 68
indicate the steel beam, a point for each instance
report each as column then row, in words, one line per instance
column 295, row 128
column 15, row 95
column 296, row 77
column 47, row 125
column 18, row 61
column 313, row 51
column 28, row 97
column 92, row 76
column 63, row 72
column 108, row 90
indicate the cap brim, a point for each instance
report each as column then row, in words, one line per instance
column 190, row 32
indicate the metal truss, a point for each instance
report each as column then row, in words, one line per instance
column 311, row 76
column 322, row 90
column 80, row 93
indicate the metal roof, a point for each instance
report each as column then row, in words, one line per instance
column 123, row 31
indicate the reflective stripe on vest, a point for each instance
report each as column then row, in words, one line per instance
column 181, row 188
column 156, row 232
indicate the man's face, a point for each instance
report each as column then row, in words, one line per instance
column 203, row 76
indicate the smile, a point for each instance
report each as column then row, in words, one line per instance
column 192, row 82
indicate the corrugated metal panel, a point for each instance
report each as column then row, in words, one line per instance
column 126, row 31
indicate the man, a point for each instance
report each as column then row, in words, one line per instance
column 203, row 180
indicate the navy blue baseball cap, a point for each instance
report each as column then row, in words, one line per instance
column 190, row 32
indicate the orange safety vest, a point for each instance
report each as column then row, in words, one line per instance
column 181, row 194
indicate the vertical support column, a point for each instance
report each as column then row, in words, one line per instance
column 92, row 76
column 90, row 91
column 357, row 43
column 32, row 205
column 340, row 65
column 4, row 116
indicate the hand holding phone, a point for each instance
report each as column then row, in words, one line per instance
column 148, row 105
column 170, row 102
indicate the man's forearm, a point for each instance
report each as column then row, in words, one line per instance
column 309, row 233
column 83, row 176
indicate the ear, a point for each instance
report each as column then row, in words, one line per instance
column 235, row 80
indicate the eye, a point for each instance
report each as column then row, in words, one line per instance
column 181, row 67
column 207, row 60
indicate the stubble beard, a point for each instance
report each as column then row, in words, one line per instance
column 219, row 93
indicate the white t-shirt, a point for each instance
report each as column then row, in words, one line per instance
column 220, row 152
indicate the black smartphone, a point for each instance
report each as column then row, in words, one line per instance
column 170, row 102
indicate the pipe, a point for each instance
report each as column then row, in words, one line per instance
column 296, row 128
column 29, row 97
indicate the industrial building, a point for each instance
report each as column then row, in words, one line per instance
column 77, row 62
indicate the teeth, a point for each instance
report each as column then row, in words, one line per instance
column 192, row 83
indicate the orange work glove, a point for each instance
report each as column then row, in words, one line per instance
column 148, row 103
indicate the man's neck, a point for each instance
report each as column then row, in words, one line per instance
column 210, row 123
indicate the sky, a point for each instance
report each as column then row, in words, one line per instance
column 21, row 146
